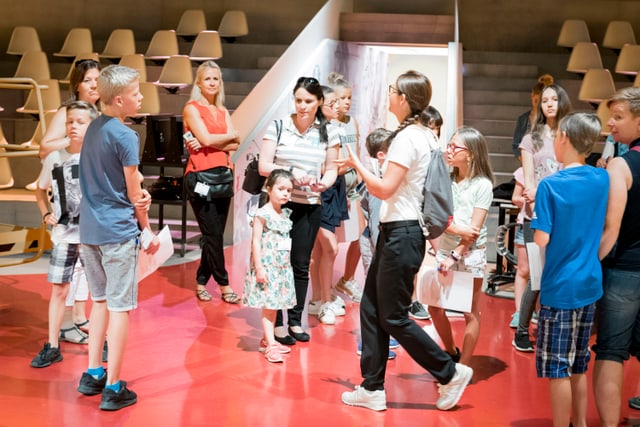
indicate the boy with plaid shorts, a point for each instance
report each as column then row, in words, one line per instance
column 110, row 224
column 60, row 173
column 568, row 219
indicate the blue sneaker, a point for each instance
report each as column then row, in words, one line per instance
column 515, row 319
column 392, row 354
column 393, row 343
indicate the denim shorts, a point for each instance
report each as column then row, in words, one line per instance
column 518, row 239
column 618, row 316
column 562, row 347
column 112, row 273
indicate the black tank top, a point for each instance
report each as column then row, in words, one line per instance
column 626, row 253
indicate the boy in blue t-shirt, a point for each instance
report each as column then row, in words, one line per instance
column 110, row 222
column 568, row 220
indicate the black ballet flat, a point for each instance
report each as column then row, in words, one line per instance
column 299, row 336
column 285, row 340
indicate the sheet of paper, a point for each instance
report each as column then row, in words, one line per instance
column 148, row 263
column 453, row 291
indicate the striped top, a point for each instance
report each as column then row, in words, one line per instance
column 302, row 151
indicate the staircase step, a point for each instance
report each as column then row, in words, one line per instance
column 243, row 74
column 396, row 28
column 238, row 88
column 492, row 112
column 506, row 97
column 501, row 70
column 500, row 144
column 266, row 62
column 493, row 127
column 498, row 83
column 503, row 162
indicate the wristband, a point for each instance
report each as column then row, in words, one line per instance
column 454, row 256
column 44, row 217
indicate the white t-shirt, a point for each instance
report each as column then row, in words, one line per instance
column 468, row 194
column 70, row 187
column 410, row 149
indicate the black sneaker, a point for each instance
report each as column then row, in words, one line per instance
column 90, row 386
column 46, row 357
column 521, row 342
column 112, row 401
column 634, row 402
column 417, row 311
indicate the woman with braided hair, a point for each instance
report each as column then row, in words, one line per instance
column 384, row 309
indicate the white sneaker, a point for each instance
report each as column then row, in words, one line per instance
column 327, row 316
column 337, row 309
column 350, row 288
column 451, row 393
column 376, row 400
column 335, row 298
column 314, row 307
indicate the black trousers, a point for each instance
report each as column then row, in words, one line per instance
column 306, row 222
column 212, row 218
column 384, row 309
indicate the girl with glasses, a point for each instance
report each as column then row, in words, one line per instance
column 462, row 246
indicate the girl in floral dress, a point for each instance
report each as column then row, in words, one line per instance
column 269, row 282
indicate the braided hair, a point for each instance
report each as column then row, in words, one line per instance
column 417, row 90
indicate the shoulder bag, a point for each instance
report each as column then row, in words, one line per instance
column 253, row 181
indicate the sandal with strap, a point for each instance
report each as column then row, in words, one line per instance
column 83, row 326
column 230, row 298
column 73, row 335
column 203, row 295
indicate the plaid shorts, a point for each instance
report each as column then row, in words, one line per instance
column 62, row 262
column 562, row 348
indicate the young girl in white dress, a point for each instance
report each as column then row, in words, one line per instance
column 269, row 282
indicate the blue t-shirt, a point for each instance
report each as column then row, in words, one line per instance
column 106, row 213
column 571, row 206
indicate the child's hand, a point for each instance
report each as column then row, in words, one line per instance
column 446, row 265
column 144, row 203
column 469, row 234
column 261, row 276
column 348, row 161
column 154, row 245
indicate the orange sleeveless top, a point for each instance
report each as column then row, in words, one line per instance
column 209, row 157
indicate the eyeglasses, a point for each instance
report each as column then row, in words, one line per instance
column 394, row 90
column 455, row 149
column 307, row 81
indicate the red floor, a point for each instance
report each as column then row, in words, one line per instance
column 196, row 364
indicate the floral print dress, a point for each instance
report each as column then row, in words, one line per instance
column 279, row 292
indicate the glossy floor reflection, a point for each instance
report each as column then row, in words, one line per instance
column 197, row 364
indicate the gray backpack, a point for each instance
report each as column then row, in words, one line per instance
column 437, row 209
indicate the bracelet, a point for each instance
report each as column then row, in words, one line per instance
column 44, row 217
column 454, row 256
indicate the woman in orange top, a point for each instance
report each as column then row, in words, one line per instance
column 214, row 138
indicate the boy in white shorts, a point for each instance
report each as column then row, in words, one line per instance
column 60, row 173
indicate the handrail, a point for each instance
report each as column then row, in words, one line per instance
column 26, row 83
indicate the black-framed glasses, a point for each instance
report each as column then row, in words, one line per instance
column 393, row 89
column 455, row 149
